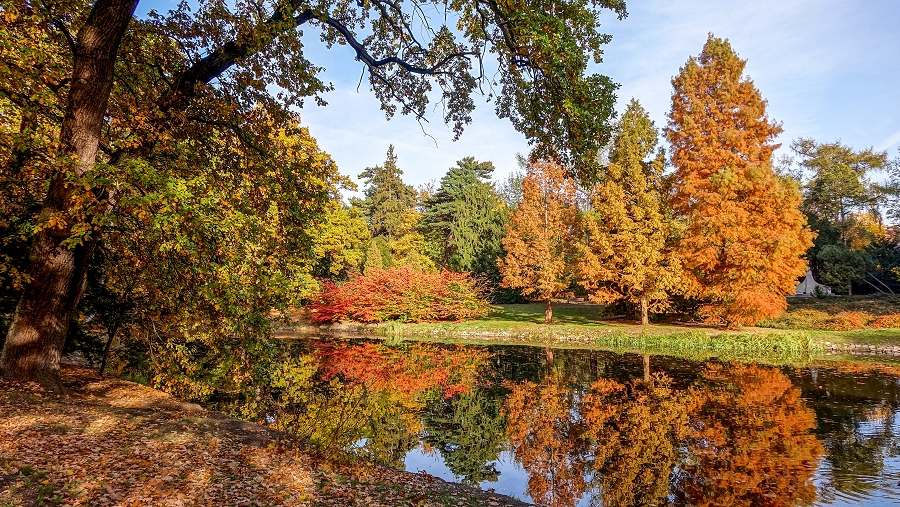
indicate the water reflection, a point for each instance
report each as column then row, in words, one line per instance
column 565, row 428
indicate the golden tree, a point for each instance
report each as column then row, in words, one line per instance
column 745, row 236
column 538, row 241
column 624, row 253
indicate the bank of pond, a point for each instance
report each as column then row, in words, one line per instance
column 579, row 427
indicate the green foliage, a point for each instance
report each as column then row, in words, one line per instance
column 387, row 198
column 469, row 431
column 464, row 221
column 839, row 266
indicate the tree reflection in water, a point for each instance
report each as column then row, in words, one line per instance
column 590, row 427
column 750, row 441
column 741, row 436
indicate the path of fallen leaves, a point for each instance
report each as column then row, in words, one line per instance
column 115, row 443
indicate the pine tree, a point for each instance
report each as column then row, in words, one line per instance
column 465, row 220
column 387, row 197
column 745, row 236
column 538, row 241
column 624, row 253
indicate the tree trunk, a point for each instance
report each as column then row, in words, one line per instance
column 646, row 367
column 38, row 330
column 109, row 340
column 548, row 313
column 548, row 352
column 850, row 289
column 592, row 359
column 645, row 312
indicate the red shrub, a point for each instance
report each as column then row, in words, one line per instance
column 403, row 294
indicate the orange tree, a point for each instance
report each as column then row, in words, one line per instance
column 745, row 236
column 538, row 241
column 127, row 93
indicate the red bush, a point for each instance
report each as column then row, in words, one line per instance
column 403, row 294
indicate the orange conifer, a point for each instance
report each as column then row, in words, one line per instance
column 745, row 235
column 538, row 241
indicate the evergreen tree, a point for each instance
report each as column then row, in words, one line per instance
column 387, row 197
column 538, row 241
column 465, row 220
column 624, row 253
column 389, row 208
column 745, row 236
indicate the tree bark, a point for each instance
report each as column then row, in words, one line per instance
column 38, row 331
column 645, row 312
column 548, row 313
column 109, row 340
column 646, row 367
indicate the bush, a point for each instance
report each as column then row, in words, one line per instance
column 847, row 321
column 401, row 294
column 820, row 320
column 887, row 321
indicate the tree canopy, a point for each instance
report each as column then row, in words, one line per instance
column 744, row 238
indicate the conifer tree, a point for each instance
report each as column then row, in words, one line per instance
column 387, row 197
column 465, row 220
column 625, row 253
column 538, row 241
column 745, row 236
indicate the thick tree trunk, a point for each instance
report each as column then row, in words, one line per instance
column 41, row 321
column 548, row 313
column 645, row 312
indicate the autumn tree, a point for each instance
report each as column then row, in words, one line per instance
column 744, row 234
column 635, row 432
column 625, row 238
column 464, row 220
column 209, row 67
column 539, row 236
column 339, row 247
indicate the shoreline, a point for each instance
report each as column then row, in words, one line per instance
column 114, row 442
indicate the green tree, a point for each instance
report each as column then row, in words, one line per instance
column 625, row 246
column 387, row 198
column 840, row 266
column 842, row 207
column 464, row 221
column 221, row 67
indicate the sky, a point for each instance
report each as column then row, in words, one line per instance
column 830, row 70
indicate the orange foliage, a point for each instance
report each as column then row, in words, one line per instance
column 401, row 293
column 538, row 241
column 547, row 441
column 745, row 238
column 418, row 368
column 887, row 321
column 750, row 442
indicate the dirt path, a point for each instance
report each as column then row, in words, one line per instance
column 116, row 443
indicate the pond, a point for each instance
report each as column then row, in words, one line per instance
column 567, row 428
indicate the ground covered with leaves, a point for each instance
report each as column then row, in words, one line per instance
column 111, row 442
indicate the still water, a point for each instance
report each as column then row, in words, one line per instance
column 567, row 428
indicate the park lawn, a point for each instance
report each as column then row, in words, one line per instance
column 589, row 323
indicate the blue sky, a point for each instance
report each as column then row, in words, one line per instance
column 829, row 69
